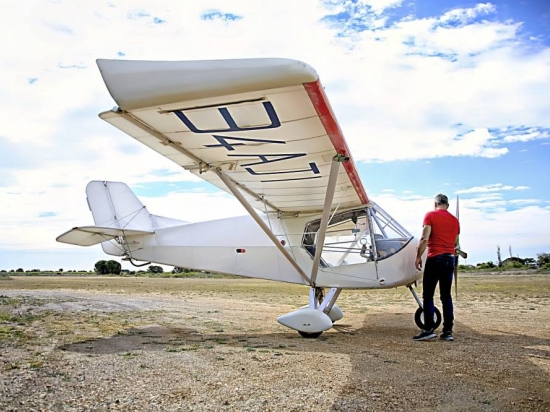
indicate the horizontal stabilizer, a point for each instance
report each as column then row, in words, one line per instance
column 92, row 235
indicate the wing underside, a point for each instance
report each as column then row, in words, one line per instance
column 265, row 122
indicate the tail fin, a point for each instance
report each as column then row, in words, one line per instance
column 117, row 213
column 114, row 205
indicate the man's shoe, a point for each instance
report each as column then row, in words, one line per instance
column 448, row 336
column 425, row 335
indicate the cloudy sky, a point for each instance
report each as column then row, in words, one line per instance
column 446, row 96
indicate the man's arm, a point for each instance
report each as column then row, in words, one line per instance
column 426, row 232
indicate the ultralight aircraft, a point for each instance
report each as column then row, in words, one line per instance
column 264, row 131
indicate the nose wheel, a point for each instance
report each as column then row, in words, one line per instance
column 307, row 335
column 419, row 314
column 419, row 318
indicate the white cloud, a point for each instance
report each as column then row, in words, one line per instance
column 526, row 135
column 465, row 15
column 419, row 89
column 497, row 187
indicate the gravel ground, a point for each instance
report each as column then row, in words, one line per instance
column 82, row 349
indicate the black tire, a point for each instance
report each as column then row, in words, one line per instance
column 419, row 318
column 308, row 335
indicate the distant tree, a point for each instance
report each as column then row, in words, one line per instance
column 181, row 270
column 486, row 265
column 101, row 267
column 543, row 259
column 105, row 267
column 12, row 271
column 155, row 269
column 114, row 267
column 60, row 270
column 3, row 271
column 20, row 270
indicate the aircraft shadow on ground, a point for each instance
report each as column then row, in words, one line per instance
column 493, row 371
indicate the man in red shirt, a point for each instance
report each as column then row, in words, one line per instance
column 440, row 235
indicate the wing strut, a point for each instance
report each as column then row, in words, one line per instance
column 233, row 189
column 329, row 196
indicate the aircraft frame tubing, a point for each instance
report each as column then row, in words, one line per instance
column 416, row 297
column 321, row 301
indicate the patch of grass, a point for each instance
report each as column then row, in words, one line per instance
column 129, row 355
column 184, row 348
column 36, row 364
column 12, row 366
column 9, row 333
column 6, row 300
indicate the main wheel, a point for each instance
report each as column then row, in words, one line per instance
column 419, row 318
column 308, row 335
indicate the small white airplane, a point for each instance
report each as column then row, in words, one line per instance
column 262, row 130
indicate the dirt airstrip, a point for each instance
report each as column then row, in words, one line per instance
column 80, row 344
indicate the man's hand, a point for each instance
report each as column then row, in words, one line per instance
column 418, row 263
column 426, row 232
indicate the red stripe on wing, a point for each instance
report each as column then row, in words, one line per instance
column 322, row 106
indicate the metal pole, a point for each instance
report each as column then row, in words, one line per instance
column 233, row 189
column 329, row 300
column 333, row 177
column 415, row 296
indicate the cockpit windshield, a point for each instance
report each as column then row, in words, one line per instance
column 357, row 236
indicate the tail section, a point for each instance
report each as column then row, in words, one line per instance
column 114, row 205
column 92, row 235
column 118, row 216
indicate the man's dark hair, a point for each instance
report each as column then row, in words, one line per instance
column 441, row 199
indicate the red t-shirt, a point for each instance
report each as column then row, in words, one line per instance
column 445, row 228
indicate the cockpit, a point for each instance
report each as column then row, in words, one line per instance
column 365, row 234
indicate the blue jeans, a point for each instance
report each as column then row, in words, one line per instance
column 440, row 269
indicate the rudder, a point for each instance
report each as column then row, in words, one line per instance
column 113, row 204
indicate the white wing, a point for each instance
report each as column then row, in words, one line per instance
column 266, row 122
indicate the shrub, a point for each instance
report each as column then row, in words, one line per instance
column 155, row 269
column 103, row 267
column 543, row 259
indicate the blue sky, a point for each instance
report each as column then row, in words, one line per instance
column 446, row 96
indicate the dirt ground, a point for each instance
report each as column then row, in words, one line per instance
column 81, row 343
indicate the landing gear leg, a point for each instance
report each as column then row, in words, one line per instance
column 419, row 314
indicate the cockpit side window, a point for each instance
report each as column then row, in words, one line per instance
column 357, row 236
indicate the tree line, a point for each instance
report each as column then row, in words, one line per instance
column 112, row 267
